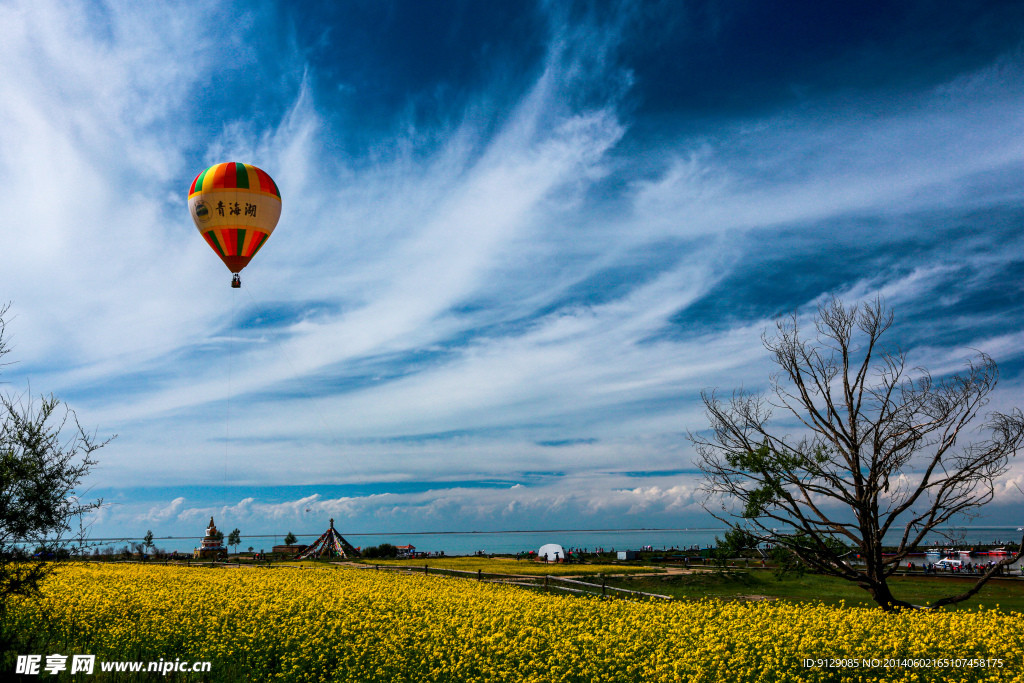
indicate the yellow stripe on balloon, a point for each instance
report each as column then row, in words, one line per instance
column 250, row 234
column 254, row 180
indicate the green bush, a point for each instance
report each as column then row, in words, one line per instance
column 384, row 550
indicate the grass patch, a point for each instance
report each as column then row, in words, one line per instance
column 1007, row 595
column 500, row 565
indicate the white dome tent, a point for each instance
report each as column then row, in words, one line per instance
column 551, row 552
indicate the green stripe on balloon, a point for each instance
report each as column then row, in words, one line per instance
column 239, row 239
column 199, row 180
column 260, row 243
column 241, row 176
column 212, row 239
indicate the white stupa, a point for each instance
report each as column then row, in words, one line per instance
column 551, row 552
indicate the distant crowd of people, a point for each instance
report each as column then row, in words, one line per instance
column 953, row 568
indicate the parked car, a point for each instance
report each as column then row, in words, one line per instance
column 949, row 565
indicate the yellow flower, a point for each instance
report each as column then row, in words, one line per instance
column 334, row 624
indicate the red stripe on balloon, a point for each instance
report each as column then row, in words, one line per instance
column 230, row 178
column 225, row 238
column 264, row 180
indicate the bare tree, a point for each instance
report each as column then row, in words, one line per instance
column 884, row 450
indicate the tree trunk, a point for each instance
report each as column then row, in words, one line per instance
column 883, row 596
column 876, row 582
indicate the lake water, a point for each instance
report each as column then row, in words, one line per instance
column 467, row 543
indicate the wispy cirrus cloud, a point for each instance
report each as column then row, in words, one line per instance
column 504, row 262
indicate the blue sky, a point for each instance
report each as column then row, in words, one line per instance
column 517, row 240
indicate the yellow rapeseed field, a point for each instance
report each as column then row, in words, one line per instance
column 362, row 625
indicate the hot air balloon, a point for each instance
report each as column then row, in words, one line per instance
column 235, row 207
